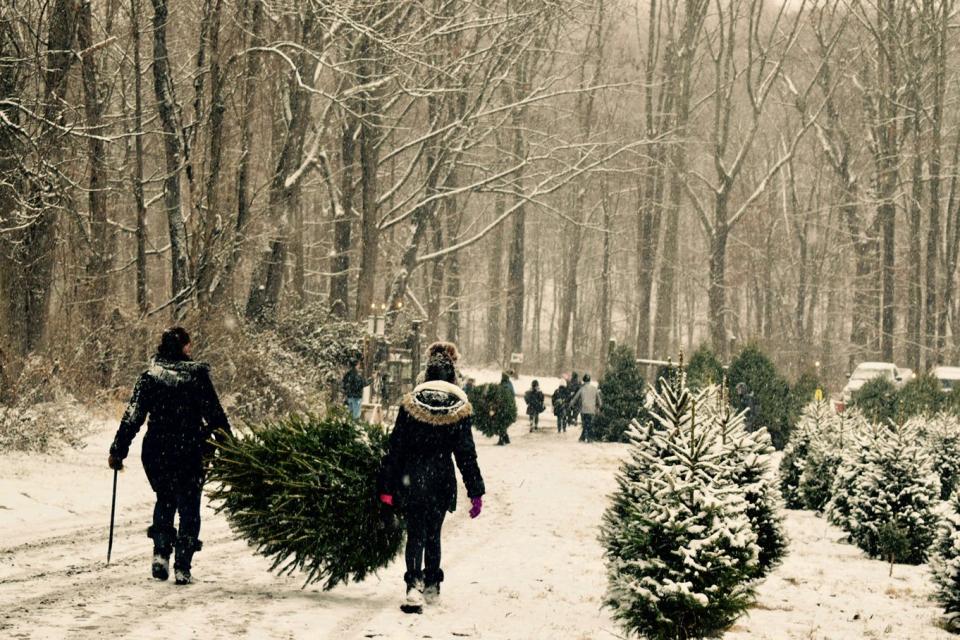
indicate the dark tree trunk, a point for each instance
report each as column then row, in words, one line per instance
column 173, row 155
column 343, row 223
column 101, row 246
column 137, row 175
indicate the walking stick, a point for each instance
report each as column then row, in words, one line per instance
column 113, row 511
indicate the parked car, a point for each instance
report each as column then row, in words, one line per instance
column 949, row 377
column 867, row 371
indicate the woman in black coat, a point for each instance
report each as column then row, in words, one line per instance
column 417, row 476
column 184, row 411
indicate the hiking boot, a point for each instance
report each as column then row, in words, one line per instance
column 160, row 567
column 182, row 577
column 414, row 601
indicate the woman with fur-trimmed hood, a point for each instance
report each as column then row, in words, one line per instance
column 433, row 428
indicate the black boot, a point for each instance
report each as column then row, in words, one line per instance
column 431, row 590
column 414, row 601
column 186, row 547
column 163, row 538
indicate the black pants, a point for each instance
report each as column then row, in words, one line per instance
column 587, row 423
column 424, row 523
column 561, row 422
column 534, row 420
column 178, row 493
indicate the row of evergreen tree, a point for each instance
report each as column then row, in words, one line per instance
column 884, row 484
column 773, row 401
column 880, row 400
column 695, row 520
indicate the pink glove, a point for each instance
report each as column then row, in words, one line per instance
column 477, row 506
column 386, row 498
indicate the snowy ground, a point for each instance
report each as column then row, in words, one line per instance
column 529, row 568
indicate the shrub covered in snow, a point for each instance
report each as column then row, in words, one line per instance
column 42, row 427
column 680, row 550
column 888, row 481
column 813, row 419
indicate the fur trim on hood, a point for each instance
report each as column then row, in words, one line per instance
column 438, row 402
column 175, row 371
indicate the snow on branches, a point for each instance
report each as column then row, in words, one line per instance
column 694, row 521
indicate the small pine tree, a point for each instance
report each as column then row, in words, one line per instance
column 813, row 419
column 942, row 439
column 680, row 551
column 749, row 459
column 704, row 369
column 945, row 565
column 302, row 490
column 877, row 400
column 921, row 396
column 494, row 410
column 825, row 454
column 894, row 484
column 771, row 393
column 623, row 392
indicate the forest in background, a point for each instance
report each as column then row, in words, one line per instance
column 536, row 176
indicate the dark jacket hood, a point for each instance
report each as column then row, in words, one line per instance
column 438, row 402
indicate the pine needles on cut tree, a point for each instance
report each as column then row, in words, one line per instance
column 494, row 410
column 302, row 491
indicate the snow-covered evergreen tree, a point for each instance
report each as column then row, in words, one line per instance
column 814, row 419
column 680, row 551
column 945, row 565
column 942, row 437
column 749, row 457
column 824, row 455
column 888, row 484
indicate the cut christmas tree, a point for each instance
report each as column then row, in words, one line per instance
column 302, row 491
column 494, row 410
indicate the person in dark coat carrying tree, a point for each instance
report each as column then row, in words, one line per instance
column 184, row 412
column 534, row 399
column 434, row 424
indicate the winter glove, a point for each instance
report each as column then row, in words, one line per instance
column 477, row 506
column 115, row 463
column 386, row 499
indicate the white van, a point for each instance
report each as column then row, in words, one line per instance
column 867, row 371
column 949, row 377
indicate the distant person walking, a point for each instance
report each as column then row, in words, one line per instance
column 535, row 406
column 559, row 400
column 746, row 400
column 590, row 401
column 573, row 408
column 508, row 385
column 352, row 385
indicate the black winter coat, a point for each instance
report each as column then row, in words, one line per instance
column 534, row 400
column 184, row 411
column 353, row 384
column 559, row 399
column 434, row 423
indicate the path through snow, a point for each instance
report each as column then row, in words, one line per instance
column 529, row 568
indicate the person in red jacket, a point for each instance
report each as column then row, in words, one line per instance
column 433, row 428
